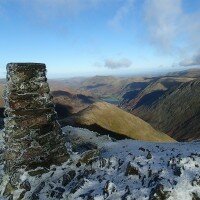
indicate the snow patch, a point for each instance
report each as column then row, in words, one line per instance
column 101, row 168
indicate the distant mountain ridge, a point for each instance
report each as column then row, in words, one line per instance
column 177, row 113
column 141, row 96
column 153, row 91
column 194, row 73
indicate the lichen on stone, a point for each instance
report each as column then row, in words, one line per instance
column 33, row 137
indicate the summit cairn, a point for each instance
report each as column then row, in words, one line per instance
column 33, row 137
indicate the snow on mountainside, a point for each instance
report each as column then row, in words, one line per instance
column 101, row 168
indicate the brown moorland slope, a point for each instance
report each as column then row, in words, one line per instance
column 107, row 118
column 155, row 89
column 67, row 100
column 177, row 113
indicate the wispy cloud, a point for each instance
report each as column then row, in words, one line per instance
column 117, row 64
column 170, row 26
column 121, row 13
column 193, row 61
column 162, row 19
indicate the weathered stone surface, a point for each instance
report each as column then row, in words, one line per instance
column 158, row 193
column 25, row 185
column 35, row 195
column 32, row 134
column 89, row 156
column 131, row 170
column 68, row 177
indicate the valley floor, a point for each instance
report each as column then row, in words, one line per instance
column 101, row 168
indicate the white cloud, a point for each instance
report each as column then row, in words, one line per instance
column 193, row 61
column 117, row 64
column 169, row 26
column 162, row 18
column 120, row 14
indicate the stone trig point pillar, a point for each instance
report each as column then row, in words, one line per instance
column 33, row 137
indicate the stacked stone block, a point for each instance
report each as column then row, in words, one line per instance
column 32, row 134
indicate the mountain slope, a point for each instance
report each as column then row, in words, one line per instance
column 107, row 118
column 68, row 103
column 109, row 86
column 177, row 113
column 153, row 91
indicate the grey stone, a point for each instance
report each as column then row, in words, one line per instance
column 33, row 137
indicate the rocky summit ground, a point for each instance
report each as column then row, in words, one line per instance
column 102, row 168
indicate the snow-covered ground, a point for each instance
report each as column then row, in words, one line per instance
column 100, row 168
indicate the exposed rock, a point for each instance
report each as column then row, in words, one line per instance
column 68, row 177
column 57, row 192
column 102, row 162
column 88, row 195
column 85, row 174
column 154, row 180
column 78, row 186
column 195, row 196
column 142, row 149
column 149, row 156
column 127, row 193
column 196, row 181
column 158, row 193
column 35, row 195
column 88, row 156
column 22, row 194
column 25, row 185
column 131, row 170
column 177, row 171
column 109, row 188
column 38, row 172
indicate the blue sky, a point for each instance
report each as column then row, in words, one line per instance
column 101, row 37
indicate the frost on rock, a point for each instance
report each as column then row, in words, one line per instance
column 33, row 137
column 100, row 168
